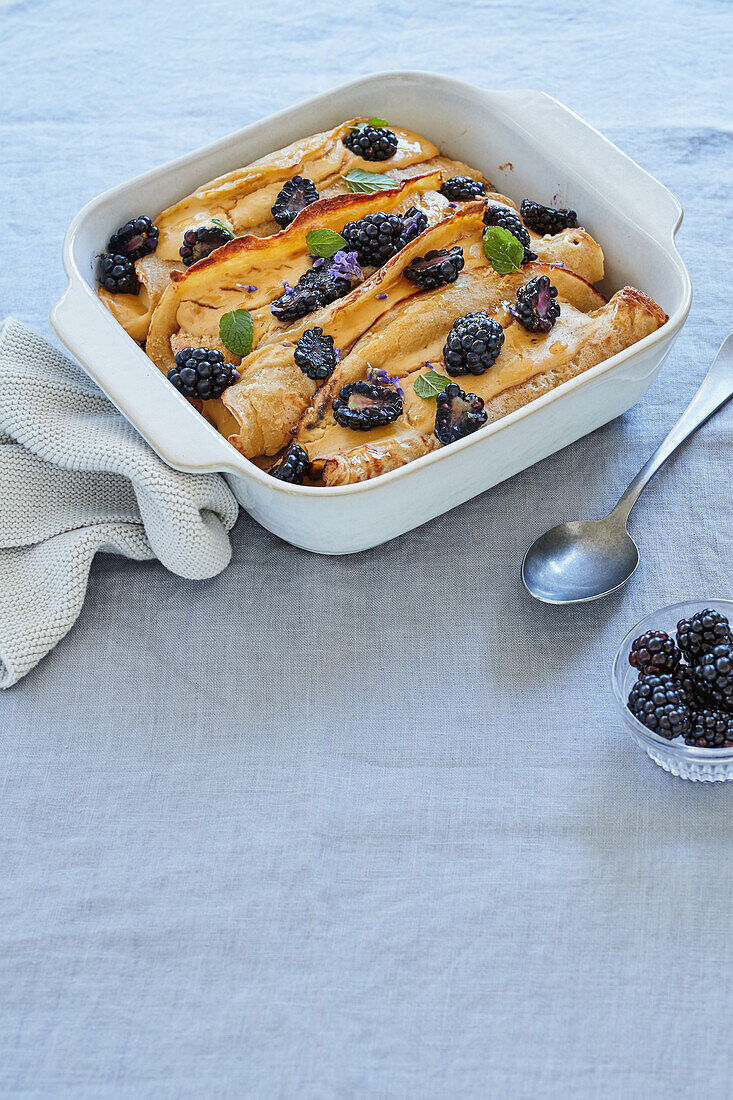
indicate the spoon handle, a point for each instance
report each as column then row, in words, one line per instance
column 715, row 391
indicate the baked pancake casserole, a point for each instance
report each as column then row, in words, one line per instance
column 357, row 299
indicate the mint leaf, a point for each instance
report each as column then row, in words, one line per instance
column 324, row 242
column 221, row 225
column 371, row 122
column 502, row 249
column 235, row 330
column 430, row 384
column 368, row 182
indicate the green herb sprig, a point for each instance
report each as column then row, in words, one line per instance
column 430, row 384
column 236, row 330
column 502, row 249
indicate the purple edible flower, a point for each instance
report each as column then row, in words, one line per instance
column 319, row 261
column 246, row 286
column 337, row 355
column 346, row 265
column 286, row 286
column 382, row 296
column 380, row 377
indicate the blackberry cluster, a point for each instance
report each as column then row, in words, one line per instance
column 117, row 274
column 414, row 222
column 508, row 219
column 457, row 414
column 462, row 188
column 714, row 674
column 316, row 288
column 701, row 633
column 371, row 142
column 657, row 702
column 200, row 243
column 711, row 729
column 295, row 195
column 363, row 406
column 545, row 219
column 292, row 467
column 135, row 239
column 694, row 700
column 202, row 373
column 473, row 344
column 435, row 268
column 535, row 307
column 654, row 651
column 315, row 354
column 375, row 237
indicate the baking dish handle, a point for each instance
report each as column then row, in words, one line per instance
column 161, row 415
column 655, row 209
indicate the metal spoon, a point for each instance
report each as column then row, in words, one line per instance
column 587, row 559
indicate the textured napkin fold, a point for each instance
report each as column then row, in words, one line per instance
column 76, row 478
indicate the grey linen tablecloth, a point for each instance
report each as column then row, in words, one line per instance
column 367, row 827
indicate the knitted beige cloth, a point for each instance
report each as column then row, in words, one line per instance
column 76, row 478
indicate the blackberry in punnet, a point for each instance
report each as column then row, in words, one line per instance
column 509, row 219
column 117, row 274
column 654, row 652
column 315, row 354
column 200, row 243
column 545, row 219
column 535, row 307
column 202, row 373
column 363, row 406
column 435, row 268
column 701, row 632
column 714, row 674
column 473, row 344
column 375, row 237
column 457, row 414
column 292, row 467
column 414, row 222
column 711, row 729
column 296, row 194
column 462, row 188
column 371, row 142
column 135, row 239
column 657, row 702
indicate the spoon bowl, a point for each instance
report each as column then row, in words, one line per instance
column 580, row 561
column 587, row 559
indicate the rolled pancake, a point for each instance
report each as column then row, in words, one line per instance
column 249, row 272
column 529, row 365
column 273, row 392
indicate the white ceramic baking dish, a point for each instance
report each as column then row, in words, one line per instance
column 529, row 145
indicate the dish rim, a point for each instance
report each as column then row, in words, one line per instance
column 232, row 461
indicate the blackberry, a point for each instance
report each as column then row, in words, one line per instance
column 473, row 344
column 363, row 406
column 435, row 268
column 371, row 142
column 135, row 239
column 508, row 219
column 200, row 243
column 295, row 195
column 654, row 652
column 292, row 467
column 657, row 702
column 714, row 674
column 462, row 188
column 711, row 729
column 545, row 219
column 202, row 373
column 117, row 274
column 701, row 633
column 318, row 287
column 536, row 308
column 315, row 354
column 375, row 237
column 457, row 414
column 414, row 222
column 684, row 677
